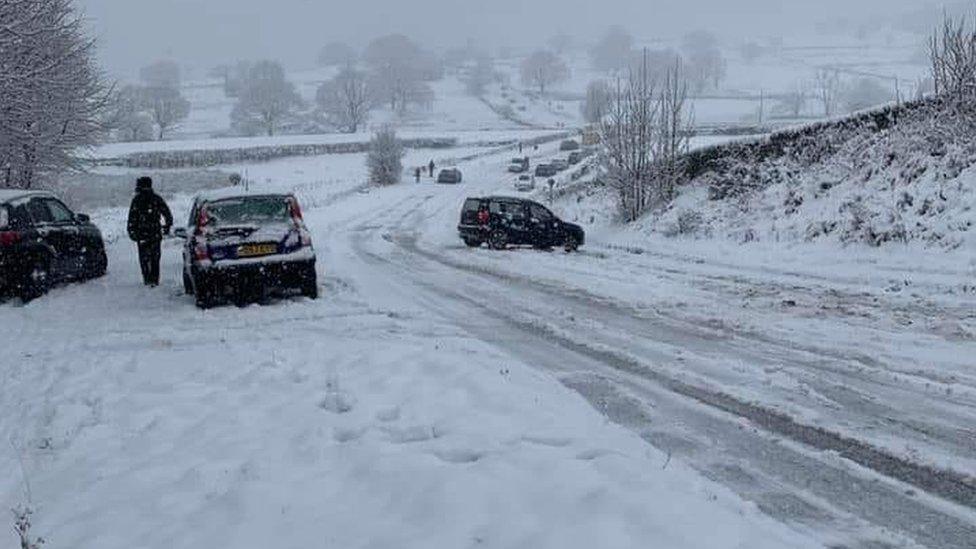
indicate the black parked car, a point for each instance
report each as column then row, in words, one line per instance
column 43, row 242
column 503, row 221
column 450, row 176
column 245, row 246
column 569, row 145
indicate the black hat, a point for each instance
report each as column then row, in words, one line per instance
column 144, row 184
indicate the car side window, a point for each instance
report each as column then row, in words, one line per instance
column 540, row 213
column 59, row 212
column 17, row 217
column 4, row 216
column 38, row 211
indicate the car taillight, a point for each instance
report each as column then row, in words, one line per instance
column 295, row 210
column 200, row 252
column 9, row 238
column 203, row 218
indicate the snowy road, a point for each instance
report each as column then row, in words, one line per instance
column 430, row 398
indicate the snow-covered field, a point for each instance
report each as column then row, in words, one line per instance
column 364, row 419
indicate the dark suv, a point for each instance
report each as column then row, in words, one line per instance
column 246, row 245
column 502, row 221
column 43, row 242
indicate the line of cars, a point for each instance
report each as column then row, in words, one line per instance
column 237, row 245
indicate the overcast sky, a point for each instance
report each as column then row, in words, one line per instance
column 204, row 32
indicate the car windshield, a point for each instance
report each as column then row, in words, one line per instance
column 249, row 210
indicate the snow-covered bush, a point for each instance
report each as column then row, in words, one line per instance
column 385, row 158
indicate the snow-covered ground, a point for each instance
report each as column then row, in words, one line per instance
column 364, row 419
column 438, row 396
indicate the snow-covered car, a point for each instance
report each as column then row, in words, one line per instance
column 560, row 164
column 43, row 242
column 246, row 245
column 503, row 221
column 575, row 158
column 450, row 176
column 525, row 183
column 519, row 165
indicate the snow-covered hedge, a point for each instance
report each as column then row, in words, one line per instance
column 208, row 158
column 901, row 173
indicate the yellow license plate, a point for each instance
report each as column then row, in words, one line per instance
column 256, row 250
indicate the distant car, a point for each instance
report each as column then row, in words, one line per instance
column 525, row 183
column 43, row 242
column 560, row 165
column 450, row 176
column 245, row 246
column 569, row 145
column 519, row 165
column 575, row 158
column 545, row 170
column 503, row 221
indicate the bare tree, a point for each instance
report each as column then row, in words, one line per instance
column 480, row 75
column 346, row 99
column 794, row 101
column 543, row 69
column 613, row 51
column 161, row 74
column 266, row 99
column 707, row 66
column 52, row 96
column 673, row 132
column 166, row 106
column 952, row 51
column 399, row 69
column 596, row 103
column 128, row 117
column 385, row 158
column 828, row 89
column 337, row 54
column 644, row 135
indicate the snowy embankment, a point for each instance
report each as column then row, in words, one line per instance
column 899, row 175
column 359, row 420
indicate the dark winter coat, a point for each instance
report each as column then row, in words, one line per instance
column 149, row 216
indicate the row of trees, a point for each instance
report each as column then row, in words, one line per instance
column 52, row 95
column 700, row 55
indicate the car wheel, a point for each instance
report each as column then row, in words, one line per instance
column 498, row 240
column 99, row 265
column 206, row 296
column 473, row 242
column 310, row 285
column 571, row 244
column 36, row 282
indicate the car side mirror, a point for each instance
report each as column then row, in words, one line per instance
column 180, row 232
column 83, row 218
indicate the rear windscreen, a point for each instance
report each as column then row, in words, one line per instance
column 472, row 205
column 249, row 210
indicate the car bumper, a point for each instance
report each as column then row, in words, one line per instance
column 267, row 274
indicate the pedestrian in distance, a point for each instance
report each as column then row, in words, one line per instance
column 149, row 219
column 417, row 173
column 430, row 168
column 520, row 147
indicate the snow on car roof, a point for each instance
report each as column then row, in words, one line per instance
column 7, row 195
column 233, row 192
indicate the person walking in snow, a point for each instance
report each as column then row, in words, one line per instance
column 416, row 174
column 149, row 219
column 431, row 167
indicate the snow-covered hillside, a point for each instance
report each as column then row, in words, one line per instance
column 900, row 175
